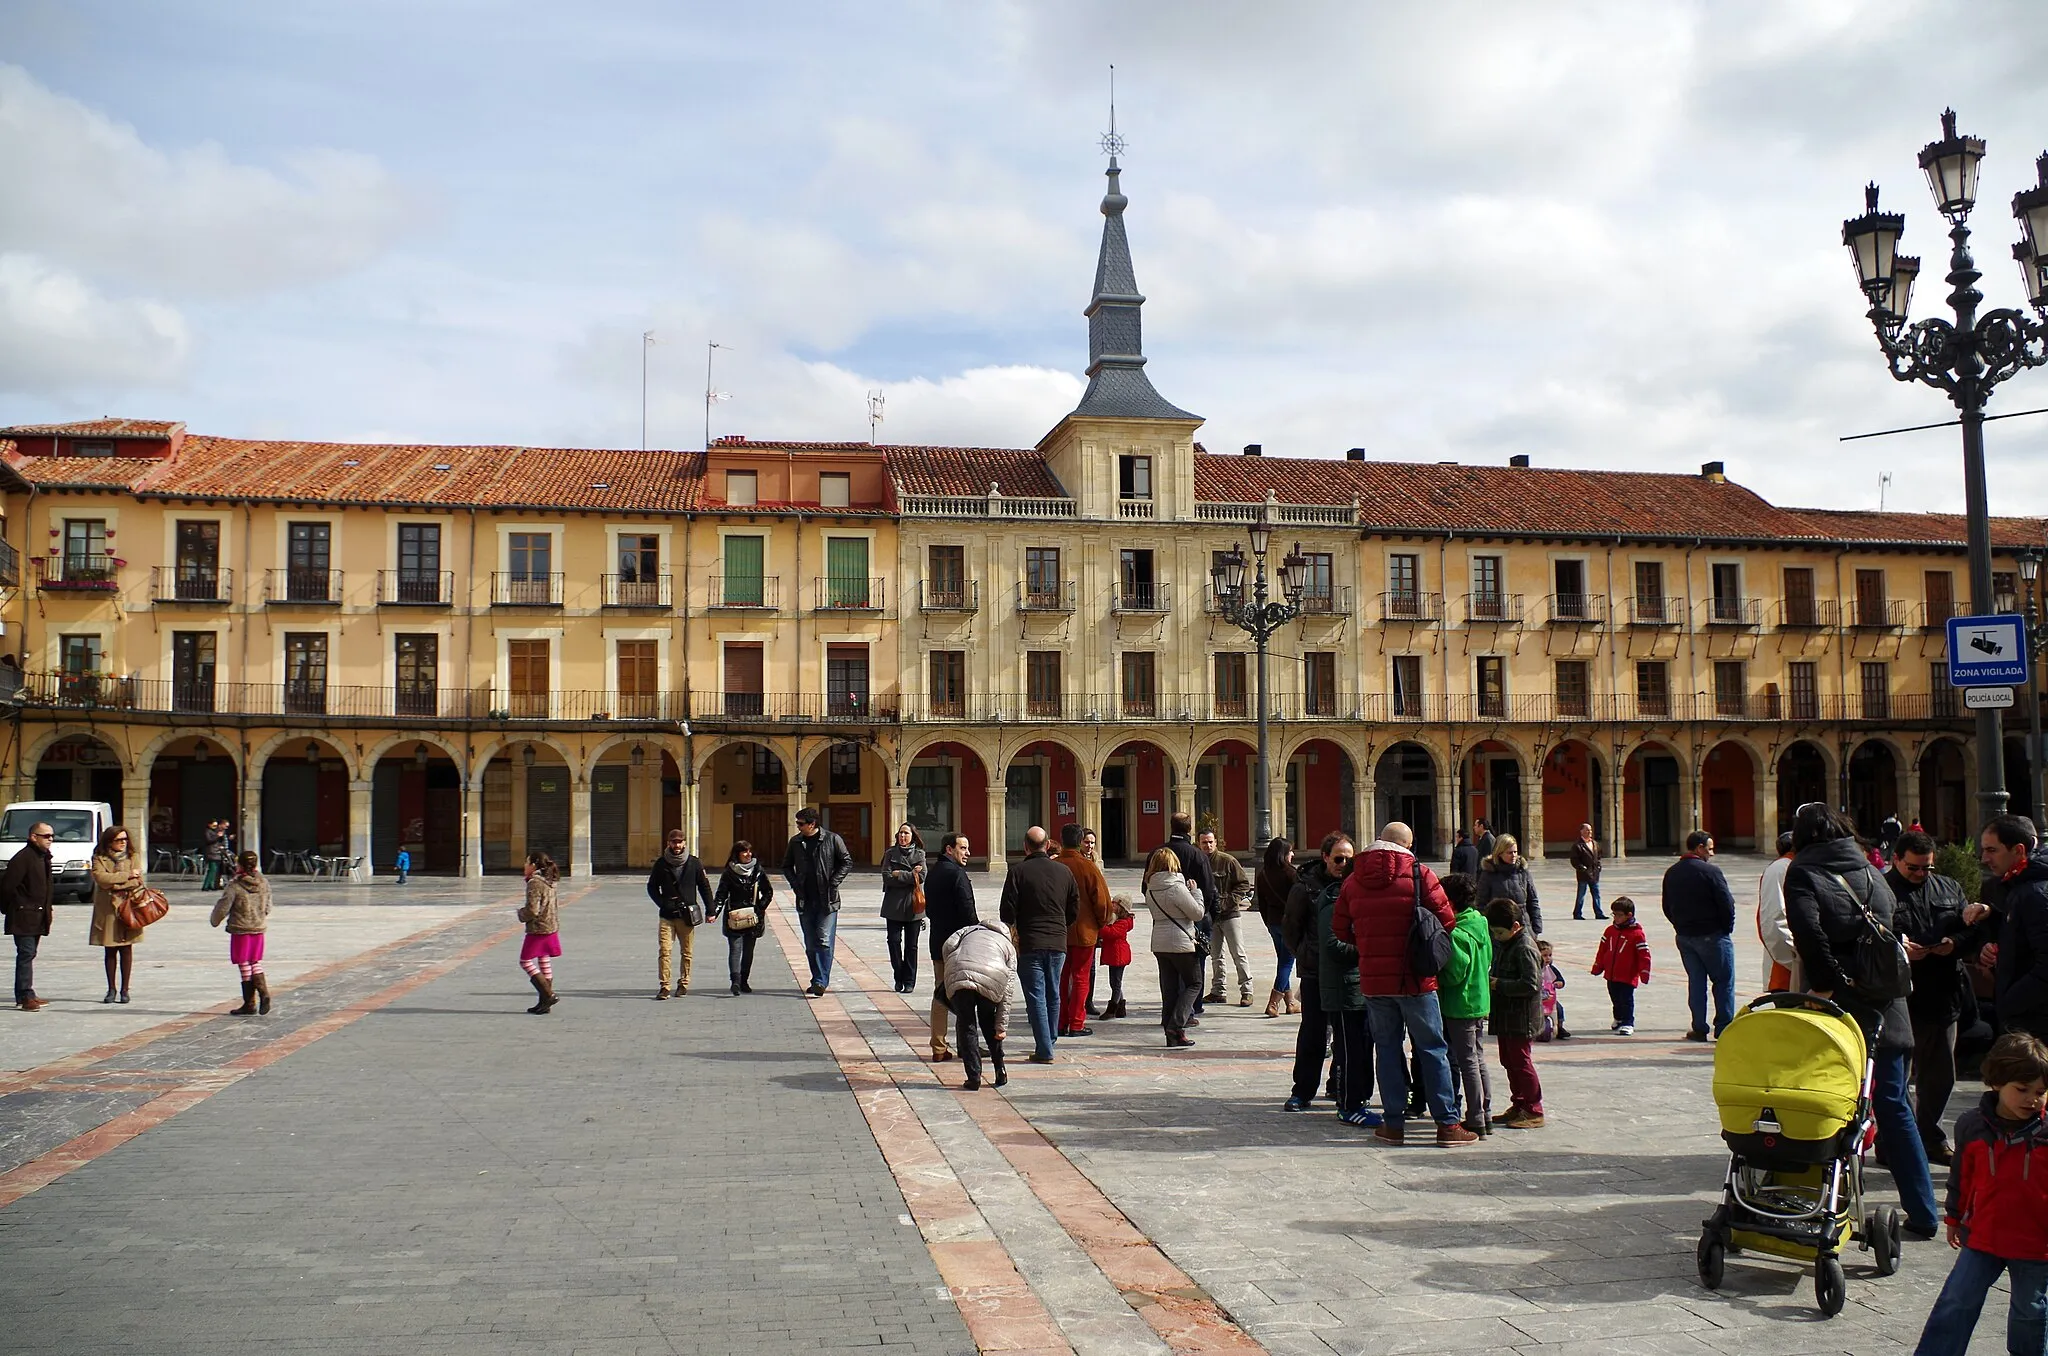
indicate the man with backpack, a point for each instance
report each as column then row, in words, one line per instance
column 1393, row 914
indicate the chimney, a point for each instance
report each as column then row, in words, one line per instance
column 1355, row 454
column 1520, row 459
column 1255, row 449
column 1714, row 471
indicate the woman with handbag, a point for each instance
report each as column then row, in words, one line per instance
column 116, row 878
column 682, row 894
column 245, row 907
column 543, row 942
column 903, row 904
column 743, row 894
column 1176, row 913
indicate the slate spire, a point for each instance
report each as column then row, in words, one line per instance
column 1117, row 385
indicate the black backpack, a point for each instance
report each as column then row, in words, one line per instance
column 1429, row 944
column 1878, row 969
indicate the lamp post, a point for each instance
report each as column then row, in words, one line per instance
column 2030, row 570
column 1964, row 358
column 1261, row 617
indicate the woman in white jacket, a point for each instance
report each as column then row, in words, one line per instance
column 981, row 969
column 1781, row 959
column 1176, row 913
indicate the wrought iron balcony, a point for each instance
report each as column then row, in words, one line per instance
column 526, row 590
column 1053, row 596
column 744, row 592
column 1746, row 613
column 851, row 593
column 200, row 585
column 1401, row 605
column 1576, row 609
column 1877, row 614
column 1653, row 610
column 647, row 592
column 1806, row 614
column 299, row 585
column 1493, row 609
column 949, row 595
column 78, row 573
column 415, row 588
column 1140, row 598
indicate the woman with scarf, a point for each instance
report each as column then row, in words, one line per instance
column 903, row 904
column 116, row 873
column 1276, row 877
column 743, row 894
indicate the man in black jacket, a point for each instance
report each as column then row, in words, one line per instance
column 948, row 907
column 1465, row 856
column 2010, row 850
column 1298, row 930
column 1040, row 902
column 814, row 864
column 1194, row 866
column 25, row 897
column 1701, row 909
column 1928, row 918
column 676, row 882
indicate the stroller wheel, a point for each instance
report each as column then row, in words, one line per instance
column 1830, row 1286
column 1880, row 1232
column 1712, row 1257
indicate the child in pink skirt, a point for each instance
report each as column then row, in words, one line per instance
column 245, row 907
column 543, row 942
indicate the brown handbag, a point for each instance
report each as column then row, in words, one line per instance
column 139, row 908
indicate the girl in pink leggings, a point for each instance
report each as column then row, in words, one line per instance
column 543, row 943
column 245, row 907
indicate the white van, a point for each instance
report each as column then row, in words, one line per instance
column 78, row 824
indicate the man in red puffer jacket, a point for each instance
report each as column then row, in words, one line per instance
column 1374, row 919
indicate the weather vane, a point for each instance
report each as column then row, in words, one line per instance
column 1112, row 144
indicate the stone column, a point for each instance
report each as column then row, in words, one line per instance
column 899, row 812
column 473, row 826
column 998, row 833
column 1091, row 806
column 1766, row 818
column 1532, row 813
column 1909, row 794
column 1450, row 811
column 134, row 812
column 1617, row 804
column 359, row 828
column 693, row 828
column 579, row 828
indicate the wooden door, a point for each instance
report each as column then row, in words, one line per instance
column 526, row 663
column 743, row 680
column 851, row 822
column 767, row 827
column 639, row 679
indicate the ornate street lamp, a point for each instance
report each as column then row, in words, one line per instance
column 1262, row 618
column 2037, row 643
column 1964, row 358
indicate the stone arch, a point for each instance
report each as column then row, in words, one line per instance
column 1291, row 745
column 1731, row 800
column 505, row 742
column 150, row 751
column 1656, row 778
column 1944, row 772
column 1875, row 768
column 709, row 749
column 1510, row 805
column 1226, row 789
column 58, row 734
column 946, row 789
column 1805, row 769
column 260, row 756
column 1414, row 796
column 384, row 746
column 654, row 743
column 1577, row 782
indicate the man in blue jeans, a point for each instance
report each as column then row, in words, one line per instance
column 1040, row 902
column 814, row 865
column 1701, row 909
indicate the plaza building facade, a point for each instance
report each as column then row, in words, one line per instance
column 472, row 652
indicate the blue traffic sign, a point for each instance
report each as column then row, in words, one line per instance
column 1987, row 651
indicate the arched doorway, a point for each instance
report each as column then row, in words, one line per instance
column 1728, row 796
column 1873, row 786
column 2019, row 780
column 192, row 783
column 1137, row 799
column 80, row 767
column 1226, row 797
column 1650, row 799
column 1492, row 788
column 304, row 803
column 1802, row 779
column 1574, row 793
column 1321, row 790
column 416, row 804
column 946, row 791
column 1944, row 792
column 526, row 806
column 1404, row 791
column 636, row 797
column 849, row 785
column 743, row 790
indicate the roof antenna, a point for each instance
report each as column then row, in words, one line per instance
column 647, row 341
column 1112, row 144
column 875, row 402
column 712, row 395
column 1884, row 482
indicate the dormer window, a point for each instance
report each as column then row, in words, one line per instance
column 92, row 449
column 742, row 487
column 835, row 489
column 1134, row 477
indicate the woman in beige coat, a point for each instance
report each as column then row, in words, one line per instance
column 116, row 870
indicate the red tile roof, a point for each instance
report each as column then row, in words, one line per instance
column 1922, row 529
column 108, row 427
column 98, row 473
column 971, row 470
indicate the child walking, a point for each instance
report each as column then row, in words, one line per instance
column 245, row 907
column 1115, row 940
column 403, row 865
column 1517, row 1010
column 1550, row 980
column 543, row 941
column 1998, row 1205
column 1624, row 957
column 1462, row 988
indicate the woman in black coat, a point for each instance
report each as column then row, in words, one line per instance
column 903, row 870
column 742, row 885
column 1503, row 876
column 1828, row 887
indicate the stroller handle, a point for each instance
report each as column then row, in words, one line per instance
column 1811, row 1002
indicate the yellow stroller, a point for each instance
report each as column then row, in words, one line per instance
column 1792, row 1080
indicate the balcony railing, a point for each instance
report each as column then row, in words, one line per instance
column 1402, row 605
column 1144, row 598
column 1934, row 614
column 995, row 504
column 415, row 588
column 1056, row 596
column 1652, row 610
column 949, row 595
column 1806, row 614
column 1330, row 602
column 298, row 584
column 1877, row 614
column 1576, row 609
column 1493, row 609
column 744, row 592
column 1741, row 612
column 794, row 707
column 647, row 592
column 1135, row 508
column 851, row 594
column 78, row 573
column 526, row 590
column 205, row 585
column 1307, row 515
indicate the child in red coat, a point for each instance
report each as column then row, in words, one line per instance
column 1624, row 957
column 1115, row 941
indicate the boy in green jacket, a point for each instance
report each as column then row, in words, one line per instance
column 1462, row 991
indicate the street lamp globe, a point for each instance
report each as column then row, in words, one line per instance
column 1899, row 302
column 1951, row 167
column 1873, row 241
column 1228, row 573
column 2030, row 565
column 1293, row 574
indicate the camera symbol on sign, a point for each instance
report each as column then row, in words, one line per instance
column 1988, row 642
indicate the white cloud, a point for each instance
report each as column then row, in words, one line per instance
column 58, row 335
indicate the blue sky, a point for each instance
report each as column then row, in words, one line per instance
column 1601, row 234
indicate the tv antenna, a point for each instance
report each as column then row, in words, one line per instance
column 876, row 400
column 1112, row 144
column 712, row 395
column 1884, row 482
column 647, row 341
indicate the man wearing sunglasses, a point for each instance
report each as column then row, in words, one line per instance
column 25, row 896
column 1929, row 920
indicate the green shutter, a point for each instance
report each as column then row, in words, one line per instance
column 744, row 572
column 846, row 572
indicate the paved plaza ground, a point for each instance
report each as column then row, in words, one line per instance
column 399, row 1159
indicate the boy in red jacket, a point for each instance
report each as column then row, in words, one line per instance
column 1998, row 1205
column 1624, row 957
